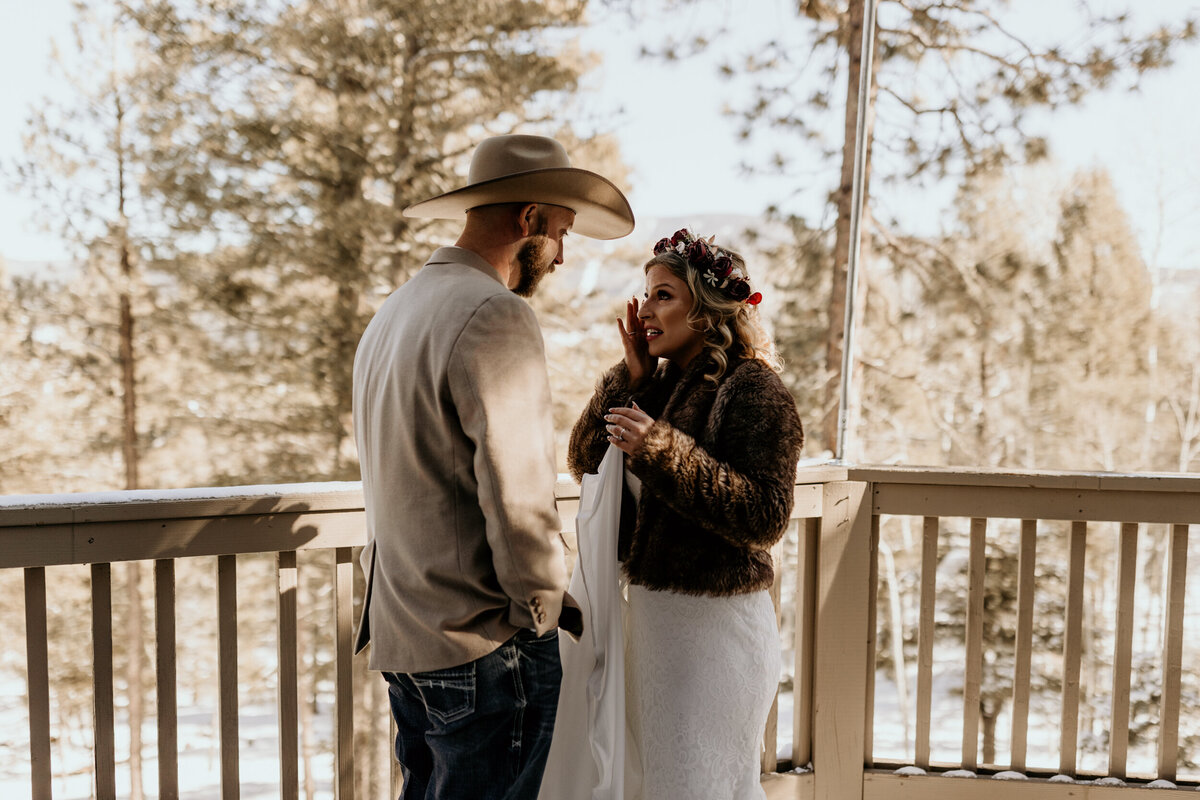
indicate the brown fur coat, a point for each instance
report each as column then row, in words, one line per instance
column 718, row 468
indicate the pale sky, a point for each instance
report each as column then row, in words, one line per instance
column 685, row 156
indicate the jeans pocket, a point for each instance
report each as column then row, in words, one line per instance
column 449, row 694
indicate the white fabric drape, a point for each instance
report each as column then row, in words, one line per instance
column 591, row 703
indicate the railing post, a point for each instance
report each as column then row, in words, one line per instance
column 842, row 641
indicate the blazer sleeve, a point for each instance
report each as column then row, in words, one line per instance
column 745, row 496
column 589, row 438
column 497, row 378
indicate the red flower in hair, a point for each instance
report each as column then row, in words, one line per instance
column 681, row 235
column 662, row 245
column 722, row 266
column 698, row 253
column 739, row 289
column 754, row 299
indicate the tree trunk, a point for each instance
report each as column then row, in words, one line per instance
column 402, row 183
column 841, row 252
column 988, row 716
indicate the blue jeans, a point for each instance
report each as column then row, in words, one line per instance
column 481, row 730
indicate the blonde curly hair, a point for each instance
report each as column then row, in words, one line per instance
column 729, row 326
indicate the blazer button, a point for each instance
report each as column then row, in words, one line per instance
column 541, row 617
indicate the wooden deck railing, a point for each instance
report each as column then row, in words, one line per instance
column 827, row 588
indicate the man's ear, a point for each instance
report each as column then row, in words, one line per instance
column 527, row 219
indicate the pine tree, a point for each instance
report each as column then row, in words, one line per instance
column 953, row 90
column 289, row 139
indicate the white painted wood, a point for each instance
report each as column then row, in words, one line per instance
column 287, row 580
column 136, row 539
column 102, row 673
column 841, row 642
column 38, row 682
column 1118, row 740
column 1011, row 502
column 886, row 786
column 1026, row 563
column 1072, row 650
column 1172, row 658
column 1033, row 479
column 343, row 582
column 770, row 745
column 973, row 673
column 872, row 638
column 806, row 610
column 165, row 679
column 789, row 786
column 227, row 679
column 925, row 628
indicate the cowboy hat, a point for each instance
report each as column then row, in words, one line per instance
column 534, row 169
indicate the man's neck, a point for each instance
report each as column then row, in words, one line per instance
column 500, row 256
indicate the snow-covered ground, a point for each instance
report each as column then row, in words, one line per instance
column 199, row 755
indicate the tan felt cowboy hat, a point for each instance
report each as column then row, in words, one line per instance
column 534, row 169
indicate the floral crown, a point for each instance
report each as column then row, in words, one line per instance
column 715, row 265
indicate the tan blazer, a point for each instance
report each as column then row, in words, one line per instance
column 455, row 437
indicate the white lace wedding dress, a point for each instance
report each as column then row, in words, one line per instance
column 700, row 675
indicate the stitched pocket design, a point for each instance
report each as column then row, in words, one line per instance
column 449, row 694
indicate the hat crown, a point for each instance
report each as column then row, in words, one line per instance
column 502, row 156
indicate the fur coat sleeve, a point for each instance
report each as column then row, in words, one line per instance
column 736, row 475
column 589, row 440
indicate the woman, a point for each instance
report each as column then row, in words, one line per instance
column 711, row 439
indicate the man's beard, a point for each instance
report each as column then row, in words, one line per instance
column 534, row 261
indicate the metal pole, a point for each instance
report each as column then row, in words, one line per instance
column 856, row 209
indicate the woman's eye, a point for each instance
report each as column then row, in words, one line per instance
column 664, row 296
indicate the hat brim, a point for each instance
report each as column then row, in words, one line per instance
column 601, row 210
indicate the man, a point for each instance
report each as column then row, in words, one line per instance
column 465, row 575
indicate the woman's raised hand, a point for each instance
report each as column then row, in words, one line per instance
column 627, row 427
column 633, row 336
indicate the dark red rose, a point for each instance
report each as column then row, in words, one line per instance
column 722, row 266
column 698, row 253
column 680, row 235
column 739, row 290
column 662, row 245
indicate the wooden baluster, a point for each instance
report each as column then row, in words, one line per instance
column 1024, row 644
column 872, row 635
column 973, row 675
column 929, row 561
column 166, row 680
column 806, row 605
column 1172, row 659
column 227, row 657
column 38, row 666
column 102, row 670
column 1072, row 650
column 1123, row 651
column 287, row 579
column 770, row 748
column 343, row 585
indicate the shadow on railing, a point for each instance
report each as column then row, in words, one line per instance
column 1002, row 615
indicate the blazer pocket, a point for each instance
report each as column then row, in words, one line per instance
column 449, row 694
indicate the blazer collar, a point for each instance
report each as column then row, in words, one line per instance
column 469, row 258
